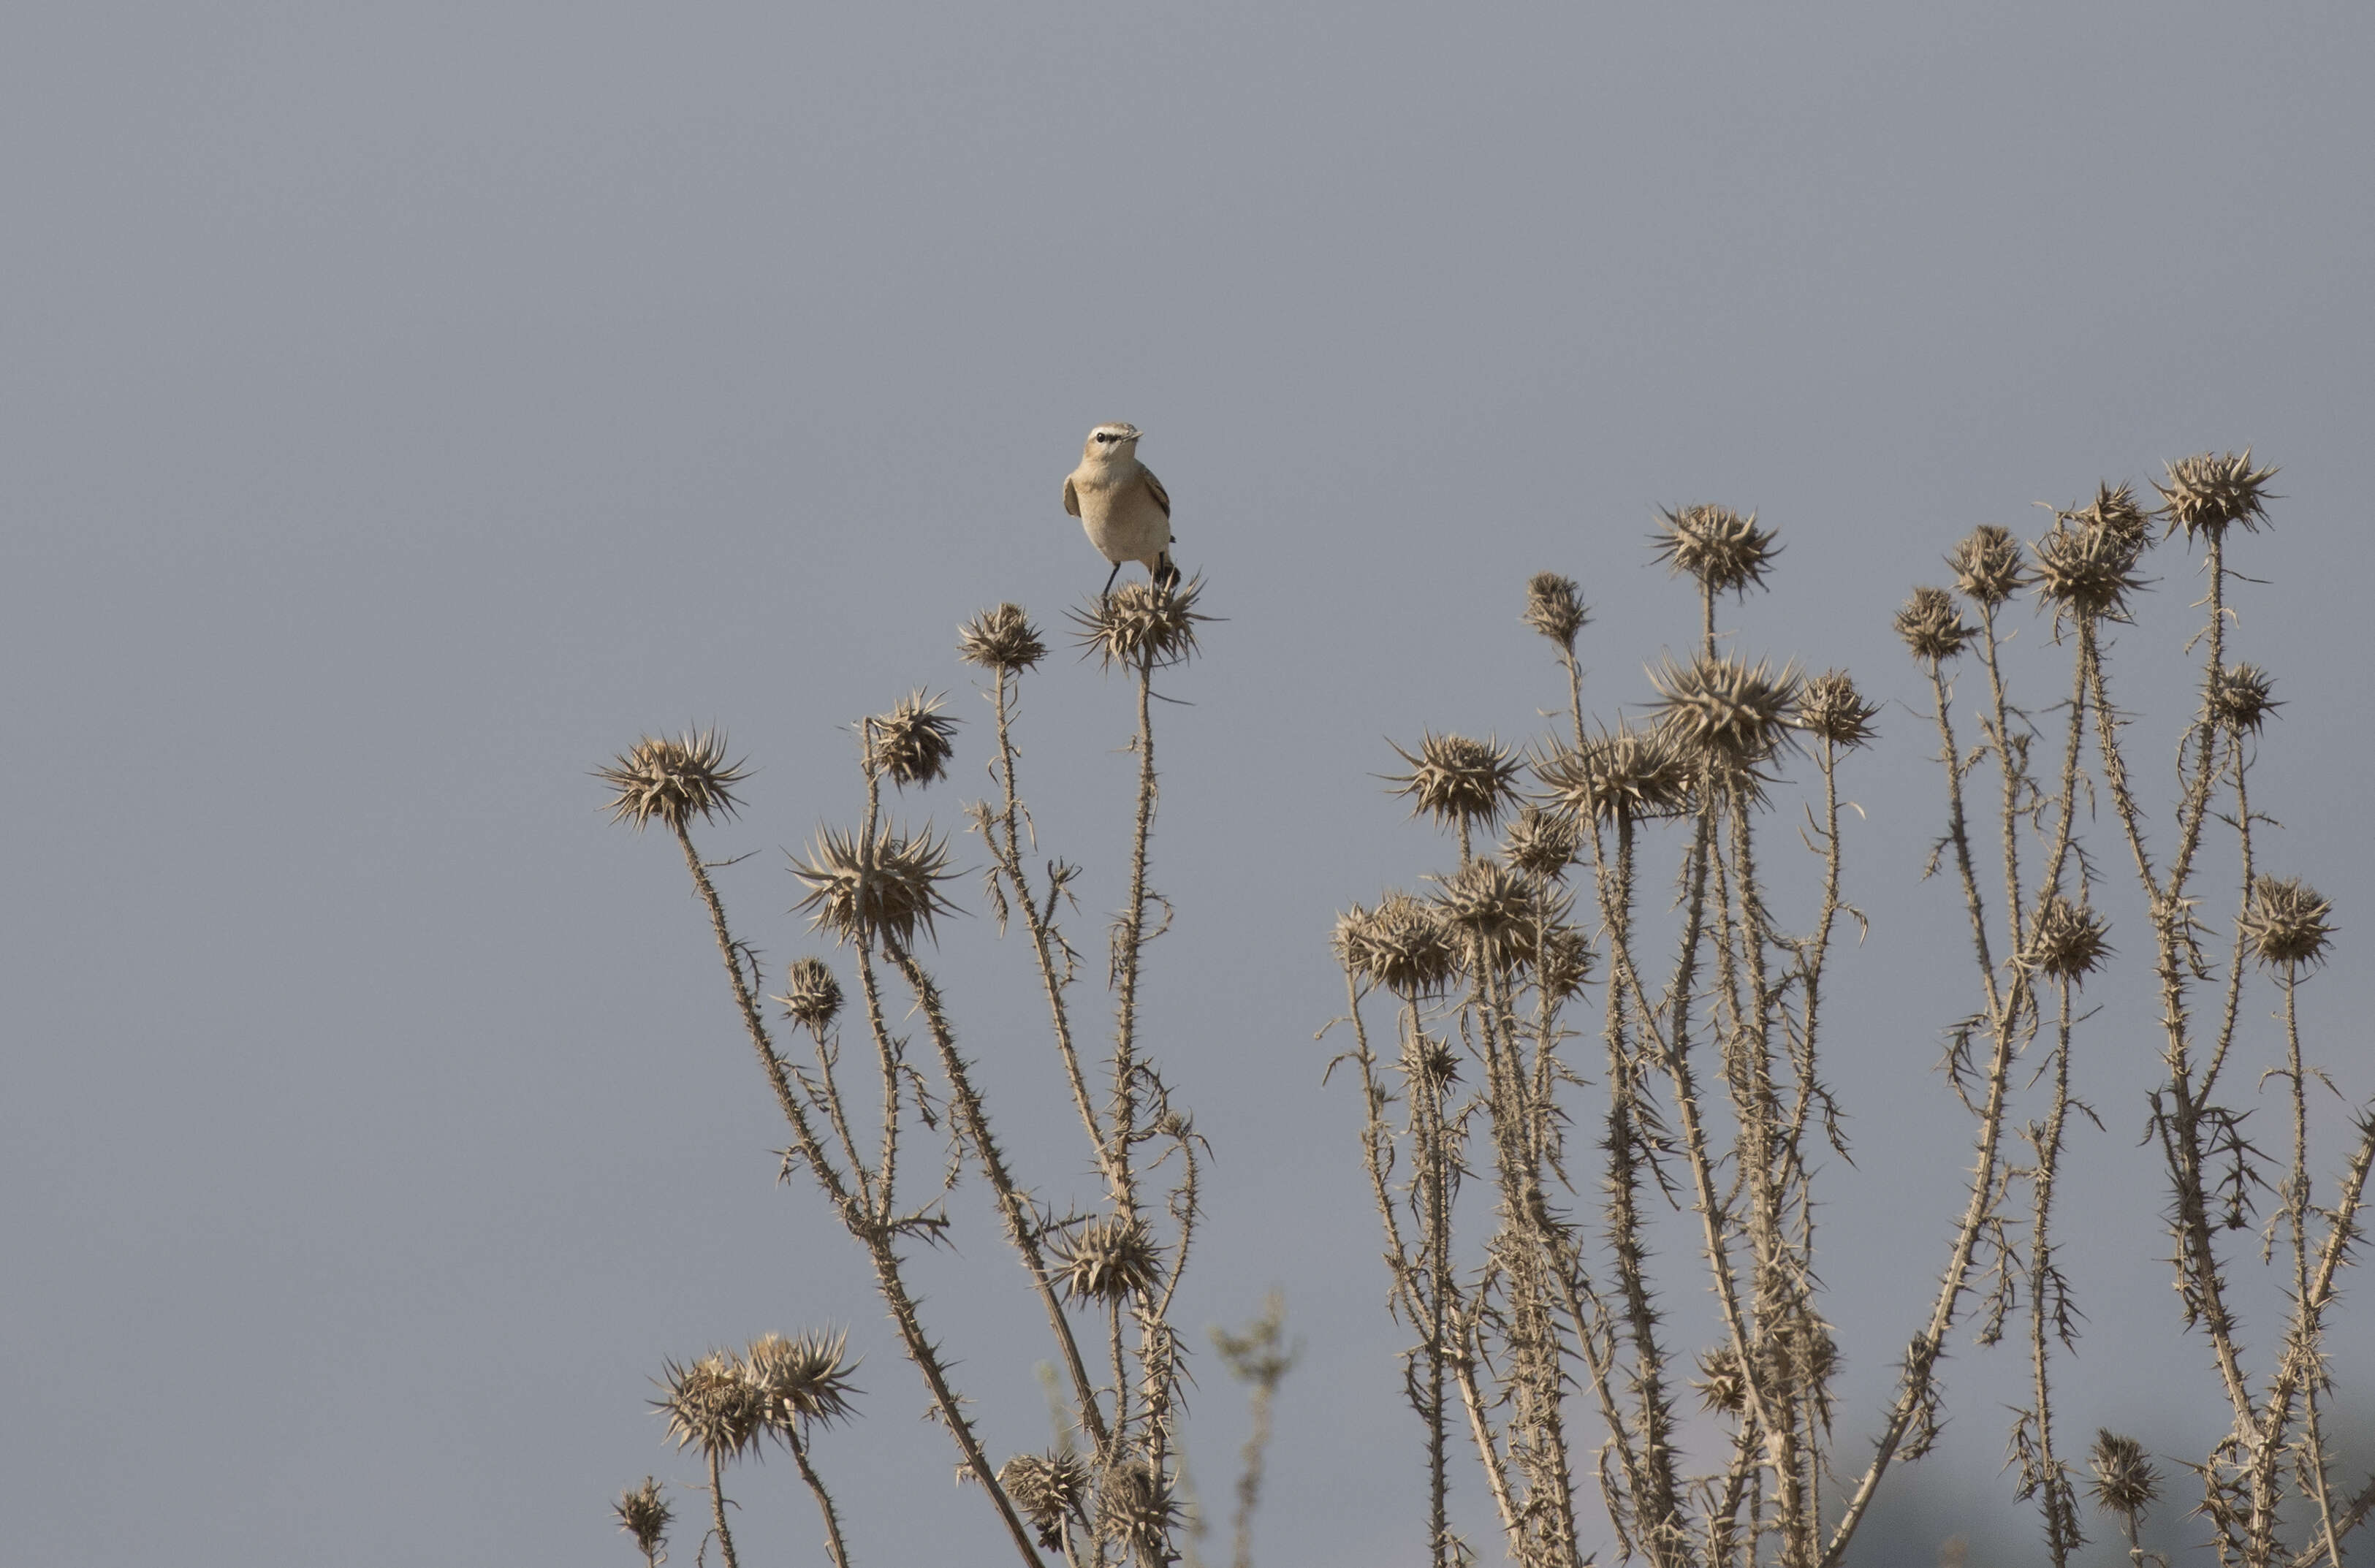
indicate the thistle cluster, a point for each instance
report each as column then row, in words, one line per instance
column 1052, row 1489
column 2208, row 493
column 1456, row 780
column 911, row 745
column 2126, row 1481
column 2087, row 565
column 1630, row 772
column 884, row 884
column 1137, row 1507
column 2241, row 698
column 2069, row 941
column 1542, row 844
column 710, row 1406
column 811, row 996
column 675, row 781
column 1933, row 626
column 2286, row 923
column 1727, row 553
column 1401, row 945
column 643, row 1514
column 1114, row 1258
column 1141, row 625
column 1002, row 640
column 1555, row 608
column 725, row 1402
column 1830, row 708
column 1725, row 709
column 1987, row 565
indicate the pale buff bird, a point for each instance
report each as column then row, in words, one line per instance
column 1124, row 508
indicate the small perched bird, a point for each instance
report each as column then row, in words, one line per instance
column 1124, row 508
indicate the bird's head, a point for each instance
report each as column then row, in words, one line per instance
column 1111, row 441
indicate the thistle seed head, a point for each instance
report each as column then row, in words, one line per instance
column 2286, row 924
column 1486, row 900
column 643, row 1514
column 1113, row 1259
column 1432, row 1062
column 1555, row 608
column 2114, row 514
column 1727, row 553
column 1987, row 565
column 2241, row 698
column 890, row 888
column 799, row 1381
column 2126, row 1481
column 1830, row 708
column 1542, row 844
column 1724, row 710
column 2069, row 942
column 1933, row 625
column 1002, row 640
column 910, row 743
column 1636, row 773
column 1399, row 945
column 710, row 1406
column 2207, row 494
column 2087, row 565
column 675, row 781
column 1148, row 625
column 1050, row 1488
column 811, row 996
column 1136, row 1506
column 1561, row 966
column 1721, row 1385
column 1454, row 779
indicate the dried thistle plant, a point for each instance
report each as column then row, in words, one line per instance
column 1001, row 640
column 811, row 996
column 1457, row 781
column 2208, row 493
column 1725, row 710
column 1142, row 625
column 1931, row 627
column 643, row 1514
column 911, row 744
column 1053, row 1491
column 801, row 1381
column 1987, row 563
column 1830, row 708
column 1632, row 772
column 1400, row 945
column 866, row 888
column 2243, row 698
column 2071, row 940
column 1726, row 552
column 2286, row 923
column 678, row 781
column 1542, row 844
column 1112, row 1260
column 1554, row 608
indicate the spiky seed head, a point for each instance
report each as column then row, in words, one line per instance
column 1830, row 708
column 2286, row 923
column 675, row 780
column 1722, row 1385
column 1725, row 709
column 2070, row 941
column 2241, row 698
column 1454, row 779
column 1987, row 564
column 2208, row 493
column 710, row 1406
column 1485, row 899
column 1114, row 1258
column 1136, row 1506
column 801, row 1381
column 1150, row 625
column 811, row 996
column 887, row 887
column 1629, row 772
column 911, row 745
column 1727, row 553
column 1555, row 608
column 1050, row 1488
column 1001, row 640
column 1400, row 945
column 1431, row 1061
column 1933, row 626
column 1560, row 962
column 643, row 1514
column 1542, row 844
column 2114, row 514
column 2086, row 570
column 2126, row 1481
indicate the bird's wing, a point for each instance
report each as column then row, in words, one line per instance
column 1154, row 487
column 1072, row 497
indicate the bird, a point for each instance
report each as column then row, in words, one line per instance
column 1122, row 506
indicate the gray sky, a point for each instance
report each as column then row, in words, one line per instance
column 402, row 408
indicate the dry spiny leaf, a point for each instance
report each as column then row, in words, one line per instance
column 1001, row 640
column 1933, row 626
column 888, row 887
column 2286, row 923
column 1727, row 553
column 910, row 743
column 676, row 780
column 1555, row 608
column 2208, row 493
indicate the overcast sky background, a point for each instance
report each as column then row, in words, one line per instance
column 402, row 408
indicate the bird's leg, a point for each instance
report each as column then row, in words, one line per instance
column 1166, row 576
column 1107, row 592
